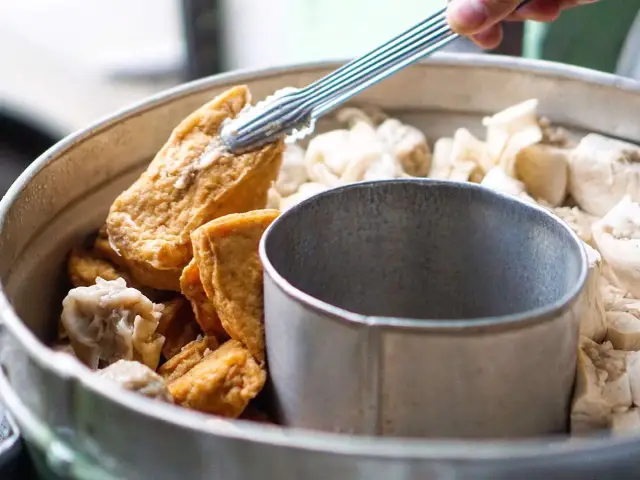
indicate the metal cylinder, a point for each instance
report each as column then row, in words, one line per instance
column 397, row 308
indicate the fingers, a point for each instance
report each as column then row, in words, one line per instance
column 489, row 38
column 545, row 10
column 468, row 17
column 539, row 11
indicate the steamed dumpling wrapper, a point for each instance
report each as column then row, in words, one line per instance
column 109, row 321
column 617, row 236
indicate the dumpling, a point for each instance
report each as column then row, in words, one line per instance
column 138, row 378
column 602, row 171
column 293, row 171
column 617, row 237
column 109, row 321
column 511, row 130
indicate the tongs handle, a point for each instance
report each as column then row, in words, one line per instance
column 299, row 110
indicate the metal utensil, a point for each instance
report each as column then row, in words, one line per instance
column 295, row 112
column 401, row 315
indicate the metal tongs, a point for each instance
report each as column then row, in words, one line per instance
column 295, row 112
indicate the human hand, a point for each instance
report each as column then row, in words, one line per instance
column 480, row 19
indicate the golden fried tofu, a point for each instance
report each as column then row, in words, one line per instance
column 177, row 325
column 202, row 306
column 226, row 252
column 190, row 355
column 102, row 246
column 191, row 181
column 84, row 267
column 144, row 275
column 223, row 383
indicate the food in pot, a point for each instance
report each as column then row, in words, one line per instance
column 138, row 378
column 222, row 383
column 191, row 181
column 177, row 325
column 204, row 310
column 602, row 171
column 190, row 355
column 173, row 280
column 602, row 386
column 623, row 331
column 407, row 144
column 617, row 236
column 593, row 323
column 226, row 252
column 544, row 171
column 109, row 321
column 579, row 221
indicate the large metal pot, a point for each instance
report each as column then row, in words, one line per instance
column 93, row 432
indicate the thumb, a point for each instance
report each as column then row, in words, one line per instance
column 467, row 17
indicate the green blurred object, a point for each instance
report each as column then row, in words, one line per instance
column 588, row 36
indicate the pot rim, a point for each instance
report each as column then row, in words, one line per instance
column 463, row 326
column 297, row 439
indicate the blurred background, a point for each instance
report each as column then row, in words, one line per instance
column 66, row 63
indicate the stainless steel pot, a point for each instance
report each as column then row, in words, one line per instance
column 418, row 308
column 94, row 432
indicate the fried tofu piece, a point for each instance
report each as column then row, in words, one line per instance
column 144, row 275
column 203, row 308
column 223, row 383
column 84, row 267
column 191, row 181
column 190, row 355
column 102, row 246
column 226, row 252
column 177, row 325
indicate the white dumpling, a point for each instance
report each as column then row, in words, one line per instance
column 327, row 157
column 293, row 171
column 333, row 157
column 139, row 378
column 497, row 179
column 109, row 321
column 623, row 331
column 467, row 148
column 633, row 369
column 385, row 167
column 511, row 130
column 441, row 159
column 602, row 386
column 593, row 323
column 544, row 171
column 602, row 171
column 274, row 198
column 462, row 158
column 617, row 237
column 349, row 116
column 625, row 422
column 579, row 221
column 407, row 145
column 306, row 190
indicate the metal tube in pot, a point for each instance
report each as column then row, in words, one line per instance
column 422, row 308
